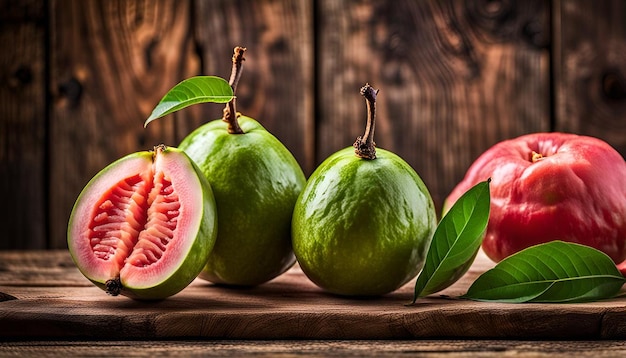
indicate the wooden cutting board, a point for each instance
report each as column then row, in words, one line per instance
column 43, row 295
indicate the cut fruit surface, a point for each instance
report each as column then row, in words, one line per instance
column 147, row 220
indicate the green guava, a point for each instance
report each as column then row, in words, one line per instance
column 143, row 227
column 256, row 181
column 364, row 221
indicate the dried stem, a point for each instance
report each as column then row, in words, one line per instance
column 113, row 286
column 365, row 147
column 230, row 111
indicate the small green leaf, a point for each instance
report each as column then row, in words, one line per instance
column 456, row 241
column 552, row 272
column 199, row 89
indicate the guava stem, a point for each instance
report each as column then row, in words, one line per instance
column 365, row 147
column 230, row 111
column 158, row 149
column 113, row 286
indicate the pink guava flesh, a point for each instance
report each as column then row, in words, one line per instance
column 136, row 221
column 551, row 186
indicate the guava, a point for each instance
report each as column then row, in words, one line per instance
column 364, row 221
column 256, row 181
column 143, row 227
column 551, row 186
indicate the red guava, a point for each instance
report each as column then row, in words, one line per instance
column 551, row 186
column 144, row 226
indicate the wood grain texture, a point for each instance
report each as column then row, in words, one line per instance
column 111, row 62
column 55, row 302
column 22, row 124
column 276, row 87
column 318, row 348
column 455, row 77
column 590, row 69
column 80, row 77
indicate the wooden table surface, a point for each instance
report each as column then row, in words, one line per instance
column 46, row 305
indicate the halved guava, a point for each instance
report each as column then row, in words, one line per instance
column 145, row 225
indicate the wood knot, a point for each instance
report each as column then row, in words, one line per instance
column 499, row 11
column 614, row 85
column 510, row 20
column 149, row 53
column 71, row 89
column 495, row 9
column 536, row 34
column 22, row 76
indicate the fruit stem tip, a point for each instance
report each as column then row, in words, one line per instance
column 113, row 286
column 157, row 150
column 237, row 64
column 369, row 93
column 365, row 147
column 535, row 157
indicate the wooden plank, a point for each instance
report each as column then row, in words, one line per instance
column 454, row 77
column 22, row 125
column 317, row 348
column 590, row 69
column 276, row 87
column 289, row 307
column 34, row 268
column 111, row 62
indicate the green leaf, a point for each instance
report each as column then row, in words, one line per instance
column 456, row 241
column 199, row 89
column 552, row 272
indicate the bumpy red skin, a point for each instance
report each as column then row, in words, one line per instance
column 576, row 192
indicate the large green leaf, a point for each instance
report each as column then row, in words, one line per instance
column 553, row 272
column 199, row 89
column 456, row 241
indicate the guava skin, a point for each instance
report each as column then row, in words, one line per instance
column 256, row 181
column 362, row 227
column 203, row 225
column 575, row 191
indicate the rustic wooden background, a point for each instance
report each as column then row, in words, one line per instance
column 78, row 78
